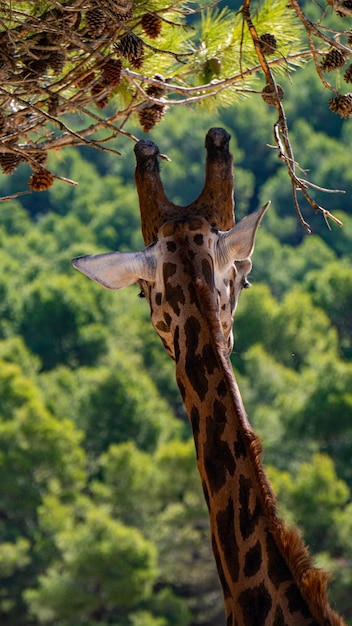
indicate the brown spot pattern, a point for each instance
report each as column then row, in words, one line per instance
column 256, row 604
column 279, row 619
column 222, row 577
column 177, row 344
column 240, row 448
column 198, row 239
column 295, row 601
column 173, row 294
column 248, row 519
column 162, row 327
column 171, row 246
column 218, row 458
column 277, row 568
column 221, row 389
column 253, row 560
column 207, row 270
column 225, row 523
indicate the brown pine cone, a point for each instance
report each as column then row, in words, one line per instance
column 3, row 121
column 348, row 74
column 53, row 103
column 39, row 158
column 154, row 91
column 9, row 162
column 56, row 61
column 151, row 115
column 131, row 47
column 86, row 80
column 122, row 9
column 341, row 105
column 96, row 21
column 35, row 67
column 138, row 61
column 151, row 24
column 333, row 60
column 100, row 99
column 111, row 72
column 41, row 180
column 269, row 95
column 268, row 43
column 4, row 69
column 348, row 5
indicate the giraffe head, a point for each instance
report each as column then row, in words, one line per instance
column 184, row 254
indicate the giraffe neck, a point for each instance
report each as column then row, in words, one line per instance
column 264, row 569
column 192, row 275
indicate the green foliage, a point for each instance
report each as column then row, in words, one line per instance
column 167, row 604
column 35, row 449
column 103, row 565
column 222, row 35
column 128, row 484
column 56, row 323
column 316, row 498
column 122, row 400
column 331, row 290
column 13, row 556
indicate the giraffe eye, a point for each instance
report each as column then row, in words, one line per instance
column 141, row 294
column 245, row 283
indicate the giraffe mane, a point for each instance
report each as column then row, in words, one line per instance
column 311, row 580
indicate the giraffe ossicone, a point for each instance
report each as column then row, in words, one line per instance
column 192, row 270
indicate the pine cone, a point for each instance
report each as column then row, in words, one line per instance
column 269, row 95
column 131, row 47
column 341, row 105
column 151, row 24
column 3, row 121
column 122, row 9
column 57, row 61
column 56, row 37
column 53, row 103
column 111, row 72
column 100, row 99
column 214, row 65
column 138, row 61
column 4, row 69
column 86, row 80
column 154, row 91
column 9, row 162
column 96, row 21
column 348, row 5
column 39, row 158
column 41, row 180
column 333, row 60
column 268, row 43
column 348, row 74
column 151, row 115
column 35, row 67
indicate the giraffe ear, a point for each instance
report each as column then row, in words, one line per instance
column 115, row 270
column 237, row 244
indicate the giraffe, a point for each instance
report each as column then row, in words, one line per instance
column 192, row 270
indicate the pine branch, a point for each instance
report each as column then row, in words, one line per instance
column 79, row 57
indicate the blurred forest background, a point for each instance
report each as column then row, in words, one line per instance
column 102, row 519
